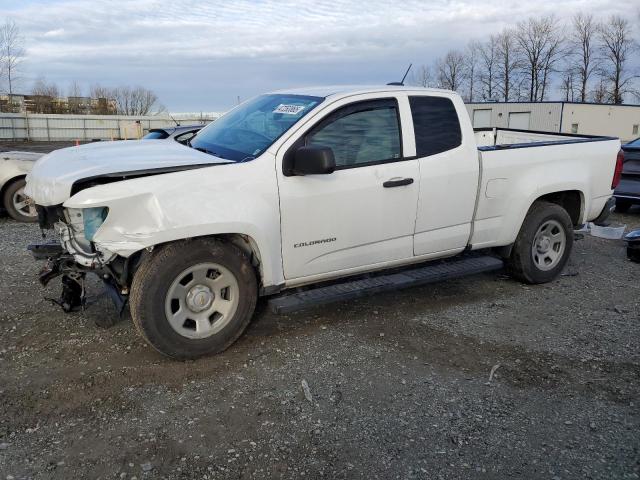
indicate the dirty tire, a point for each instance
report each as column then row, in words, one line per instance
column 521, row 264
column 156, row 275
column 622, row 206
column 7, row 202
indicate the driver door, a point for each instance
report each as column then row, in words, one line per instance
column 364, row 212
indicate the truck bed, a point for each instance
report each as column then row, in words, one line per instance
column 519, row 166
column 502, row 138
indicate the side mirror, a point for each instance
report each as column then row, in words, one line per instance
column 313, row 161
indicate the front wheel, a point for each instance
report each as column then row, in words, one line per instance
column 543, row 245
column 193, row 298
column 17, row 204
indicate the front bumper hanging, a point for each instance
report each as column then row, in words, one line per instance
column 73, row 295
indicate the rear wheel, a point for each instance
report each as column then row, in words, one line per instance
column 543, row 245
column 193, row 298
column 622, row 205
column 18, row 205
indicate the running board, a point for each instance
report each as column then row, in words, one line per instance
column 351, row 289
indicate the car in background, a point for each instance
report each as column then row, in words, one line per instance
column 628, row 192
column 14, row 167
column 179, row 133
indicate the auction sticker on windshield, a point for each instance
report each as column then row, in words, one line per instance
column 289, row 109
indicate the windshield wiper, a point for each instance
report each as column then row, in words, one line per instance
column 210, row 152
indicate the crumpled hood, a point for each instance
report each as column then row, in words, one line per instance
column 53, row 176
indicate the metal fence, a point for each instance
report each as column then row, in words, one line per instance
column 51, row 127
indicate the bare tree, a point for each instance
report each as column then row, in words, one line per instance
column 12, row 47
column 98, row 91
column 450, row 70
column 600, row 92
column 617, row 46
column 568, row 86
column 103, row 100
column 471, row 67
column 488, row 53
column 508, row 61
column 582, row 45
column 422, row 77
column 45, row 96
column 540, row 44
column 134, row 101
column 75, row 90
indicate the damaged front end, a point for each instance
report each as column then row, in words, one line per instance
column 75, row 254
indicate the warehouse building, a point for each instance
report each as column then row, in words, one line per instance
column 622, row 121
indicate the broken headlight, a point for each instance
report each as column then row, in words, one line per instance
column 92, row 218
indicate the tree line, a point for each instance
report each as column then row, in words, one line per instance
column 586, row 60
column 123, row 100
column 46, row 96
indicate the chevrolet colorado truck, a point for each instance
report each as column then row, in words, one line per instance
column 310, row 196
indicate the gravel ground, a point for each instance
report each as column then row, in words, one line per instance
column 400, row 384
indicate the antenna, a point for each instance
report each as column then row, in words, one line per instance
column 401, row 82
column 171, row 117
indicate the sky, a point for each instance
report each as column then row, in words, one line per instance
column 201, row 55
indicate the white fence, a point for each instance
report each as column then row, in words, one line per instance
column 50, row 127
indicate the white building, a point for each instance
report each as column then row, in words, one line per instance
column 621, row 121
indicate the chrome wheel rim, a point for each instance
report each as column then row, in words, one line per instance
column 202, row 300
column 549, row 244
column 23, row 204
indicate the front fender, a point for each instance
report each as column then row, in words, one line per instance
column 222, row 199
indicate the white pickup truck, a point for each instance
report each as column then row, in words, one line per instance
column 309, row 196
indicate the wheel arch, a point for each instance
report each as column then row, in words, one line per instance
column 246, row 243
column 573, row 201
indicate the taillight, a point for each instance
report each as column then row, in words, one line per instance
column 617, row 174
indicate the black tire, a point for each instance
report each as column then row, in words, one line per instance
column 7, row 202
column 622, row 206
column 521, row 263
column 158, row 271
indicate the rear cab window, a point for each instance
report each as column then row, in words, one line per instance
column 436, row 125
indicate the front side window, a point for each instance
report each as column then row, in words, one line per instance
column 436, row 125
column 248, row 130
column 360, row 134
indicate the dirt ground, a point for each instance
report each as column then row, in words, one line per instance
column 401, row 383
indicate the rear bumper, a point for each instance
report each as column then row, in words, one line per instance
column 629, row 188
column 606, row 211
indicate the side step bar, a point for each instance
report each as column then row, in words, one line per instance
column 351, row 289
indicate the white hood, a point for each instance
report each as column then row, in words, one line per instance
column 52, row 177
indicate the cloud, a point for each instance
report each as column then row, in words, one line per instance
column 244, row 47
column 54, row 33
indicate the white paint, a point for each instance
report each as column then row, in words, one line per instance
column 57, row 171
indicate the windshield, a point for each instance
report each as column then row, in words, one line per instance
column 635, row 143
column 248, row 130
column 155, row 134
